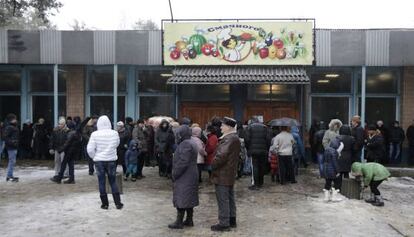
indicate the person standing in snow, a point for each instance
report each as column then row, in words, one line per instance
column 331, row 170
column 101, row 148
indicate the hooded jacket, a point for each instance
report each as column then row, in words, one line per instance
column 370, row 171
column 164, row 138
column 330, row 159
column 332, row 133
column 299, row 143
column 103, row 142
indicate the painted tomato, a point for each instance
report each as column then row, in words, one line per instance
column 175, row 54
column 215, row 52
column 206, row 49
column 263, row 52
column 278, row 43
column 246, row 36
column 281, row 53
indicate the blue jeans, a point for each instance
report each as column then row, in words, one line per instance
column 319, row 156
column 104, row 168
column 395, row 152
column 12, row 161
column 132, row 169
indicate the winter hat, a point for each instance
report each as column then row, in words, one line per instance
column 140, row 121
column 196, row 131
column 120, row 124
column 62, row 121
column 229, row 122
column 372, row 127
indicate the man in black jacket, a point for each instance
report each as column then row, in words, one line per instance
column 358, row 134
column 375, row 146
column 257, row 143
column 410, row 137
column 396, row 138
column 11, row 140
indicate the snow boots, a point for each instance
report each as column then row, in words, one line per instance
column 327, row 195
column 334, row 195
column 233, row 223
column 178, row 224
column 13, row 179
column 117, row 200
column 56, row 179
column 105, row 202
column 379, row 202
column 189, row 219
column 371, row 199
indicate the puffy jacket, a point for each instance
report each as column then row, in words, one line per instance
column 141, row 135
column 224, row 166
column 103, row 142
column 11, row 136
column 164, row 139
column 370, row 171
column 131, row 155
column 196, row 133
column 330, row 159
column 396, row 135
column 257, row 140
column 58, row 138
column 72, row 145
column 332, row 132
column 375, row 149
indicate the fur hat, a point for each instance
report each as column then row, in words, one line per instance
column 229, row 122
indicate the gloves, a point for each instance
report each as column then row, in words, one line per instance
column 51, row 151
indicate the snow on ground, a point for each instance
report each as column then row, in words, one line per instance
column 37, row 207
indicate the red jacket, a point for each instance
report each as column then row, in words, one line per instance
column 211, row 147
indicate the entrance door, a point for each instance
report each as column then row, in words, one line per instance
column 202, row 113
column 271, row 110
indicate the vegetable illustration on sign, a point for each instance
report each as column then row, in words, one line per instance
column 236, row 43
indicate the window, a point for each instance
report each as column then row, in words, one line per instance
column 327, row 108
column 156, row 105
column 268, row 92
column 380, row 82
column 205, row 93
column 154, row 81
column 9, row 104
column 42, row 107
column 101, row 79
column 10, row 81
column 379, row 109
column 41, row 80
column 331, row 82
column 103, row 105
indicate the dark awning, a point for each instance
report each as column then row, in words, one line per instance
column 239, row 75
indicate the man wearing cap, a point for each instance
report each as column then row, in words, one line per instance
column 358, row 134
column 224, row 170
column 56, row 142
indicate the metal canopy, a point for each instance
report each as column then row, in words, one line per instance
column 238, row 75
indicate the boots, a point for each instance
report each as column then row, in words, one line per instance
column 371, row 199
column 327, row 195
column 117, row 200
column 233, row 223
column 178, row 224
column 219, row 227
column 69, row 181
column 335, row 197
column 105, row 202
column 56, row 179
column 189, row 219
column 379, row 202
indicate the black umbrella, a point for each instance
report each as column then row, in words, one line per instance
column 284, row 122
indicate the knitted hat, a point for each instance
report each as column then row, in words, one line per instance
column 229, row 122
column 120, row 124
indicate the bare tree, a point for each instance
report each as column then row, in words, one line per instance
column 145, row 25
column 80, row 26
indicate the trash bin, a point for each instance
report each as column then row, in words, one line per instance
column 351, row 188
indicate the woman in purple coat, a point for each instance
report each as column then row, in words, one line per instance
column 185, row 178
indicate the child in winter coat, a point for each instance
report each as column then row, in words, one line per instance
column 330, row 170
column 131, row 160
column 372, row 174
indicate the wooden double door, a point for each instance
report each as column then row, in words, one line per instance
column 202, row 113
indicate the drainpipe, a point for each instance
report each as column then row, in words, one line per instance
column 363, row 94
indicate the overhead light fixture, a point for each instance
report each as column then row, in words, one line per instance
column 323, row 81
column 333, row 75
column 166, row 74
column 385, row 76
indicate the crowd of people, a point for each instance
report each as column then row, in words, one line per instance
column 225, row 149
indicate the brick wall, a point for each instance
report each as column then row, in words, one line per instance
column 75, row 91
column 407, row 97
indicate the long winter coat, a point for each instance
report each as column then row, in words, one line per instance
column 376, row 149
column 257, row 140
column 347, row 155
column 359, row 134
column 72, row 146
column 26, row 136
column 58, row 138
column 410, row 135
column 184, row 171
column 141, row 135
column 330, row 160
column 40, row 139
column 224, row 166
column 332, row 132
column 201, row 155
column 211, row 147
column 164, row 139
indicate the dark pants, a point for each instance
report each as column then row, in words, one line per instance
column 200, row 170
column 164, row 163
column 286, row 169
column 411, row 154
column 90, row 161
column 374, row 187
column 68, row 160
column 336, row 181
column 141, row 161
column 259, row 166
column 121, row 160
column 103, row 169
column 226, row 204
